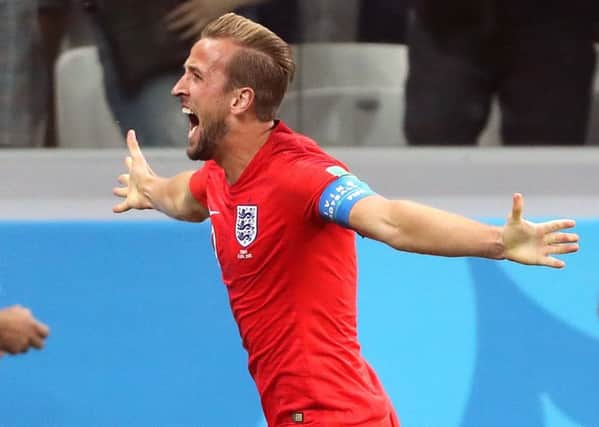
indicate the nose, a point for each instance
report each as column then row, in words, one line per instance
column 179, row 88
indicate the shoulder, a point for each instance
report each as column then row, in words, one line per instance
column 209, row 167
column 209, row 171
column 300, row 151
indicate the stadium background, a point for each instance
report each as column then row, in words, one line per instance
column 142, row 334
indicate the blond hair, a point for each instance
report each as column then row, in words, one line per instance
column 265, row 62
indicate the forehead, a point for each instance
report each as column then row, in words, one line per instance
column 211, row 54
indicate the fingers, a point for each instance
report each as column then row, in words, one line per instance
column 121, row 207
column 124, row 179
column 136, row 156
column 21, row 331
column 18, row 346
column 553, row 262
column 189, row 19
column 178, row 21
column 134, row 150
column 37, row 334
column 559, row 244
column 132, row 143
column 128, row 163
column 194, row 31
column 36, row 342
column 120, row 191
column 564, row 249
column 178, row 24
column 517, row 207
column 558, row 224
column 554, row 238
column 136, row 164
column 42, row 330
column 180, row 12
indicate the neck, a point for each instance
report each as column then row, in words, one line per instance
column 240, row 145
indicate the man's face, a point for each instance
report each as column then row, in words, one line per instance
column 201, row 91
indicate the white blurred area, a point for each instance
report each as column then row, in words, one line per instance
column 359, row 103
column 77, row 184
column 348, row 97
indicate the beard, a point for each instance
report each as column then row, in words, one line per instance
column 213, row 130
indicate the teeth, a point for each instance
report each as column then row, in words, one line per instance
column 186, row 110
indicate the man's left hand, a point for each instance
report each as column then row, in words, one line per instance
column 534, row 244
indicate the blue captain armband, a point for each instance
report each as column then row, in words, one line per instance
column 340, row 196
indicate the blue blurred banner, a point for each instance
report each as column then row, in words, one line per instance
column 142, row 333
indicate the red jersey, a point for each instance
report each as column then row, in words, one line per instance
column 291, row 280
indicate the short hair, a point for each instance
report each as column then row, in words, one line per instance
column 265, row 62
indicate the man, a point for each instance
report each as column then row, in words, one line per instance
column 283, row 217
column 24, row 87
column 538, row 63
column 19, row 330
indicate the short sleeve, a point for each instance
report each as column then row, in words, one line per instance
column 340, row 196
column 197, row 184
column 306, row 179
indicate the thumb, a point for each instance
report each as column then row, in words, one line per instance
column 132, row 143
column 133, row 146
column 517, row 207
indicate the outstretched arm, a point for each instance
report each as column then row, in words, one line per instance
column 417, row 228
column 143, row 189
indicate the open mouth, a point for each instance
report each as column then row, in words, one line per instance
column 194, row 121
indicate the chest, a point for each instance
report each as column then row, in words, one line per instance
column 253, row 225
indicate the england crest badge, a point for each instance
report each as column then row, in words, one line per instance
column 246, row 224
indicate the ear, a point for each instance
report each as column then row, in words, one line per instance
column 242, row 100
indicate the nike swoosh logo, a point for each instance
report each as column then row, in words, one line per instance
column 211, row 212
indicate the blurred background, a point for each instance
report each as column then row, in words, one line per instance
column 454, row 104
column 370, row 73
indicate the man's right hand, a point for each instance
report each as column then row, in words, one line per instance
column 19, row 330
column 139, row 171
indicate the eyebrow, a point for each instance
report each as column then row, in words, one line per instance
column 193, row 69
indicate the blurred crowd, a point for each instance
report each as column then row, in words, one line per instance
column 537, row 64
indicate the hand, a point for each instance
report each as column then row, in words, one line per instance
column 19, row 331
column 189, row 18
column 139, row 172
column 529, row 243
